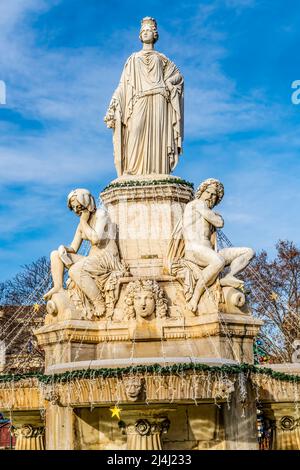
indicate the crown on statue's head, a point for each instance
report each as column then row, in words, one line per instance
column 148, row 21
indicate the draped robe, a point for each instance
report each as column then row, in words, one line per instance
column 147, row 114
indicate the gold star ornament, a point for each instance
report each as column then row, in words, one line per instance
column 36, row 307
column 115, row 411
column 274, row 296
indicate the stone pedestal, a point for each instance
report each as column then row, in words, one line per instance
column 144, row 428
column 145, row 211
column 217, row 336
column 149, row 323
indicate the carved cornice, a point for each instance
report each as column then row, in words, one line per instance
column 168, row 191
column 185, row 386
column 172, row 329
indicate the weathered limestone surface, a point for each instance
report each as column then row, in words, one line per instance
column 195, row 420
column 96, row 430
column 174, row 427
column 146, row 215
column 213, row 336
column 240, row 420
column 60, row 427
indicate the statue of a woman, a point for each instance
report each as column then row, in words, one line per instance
column 146, row 111
column 94, row 276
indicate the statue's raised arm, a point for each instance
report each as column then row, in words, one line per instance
column 146, row 111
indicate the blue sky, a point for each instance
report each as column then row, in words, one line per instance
column 62, row 59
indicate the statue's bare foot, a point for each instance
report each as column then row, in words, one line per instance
column 51, row 292
column 231, row 281
column 192, row 305
column 99, row 309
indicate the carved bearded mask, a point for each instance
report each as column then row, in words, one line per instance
column 144, row 303
column 134, row 387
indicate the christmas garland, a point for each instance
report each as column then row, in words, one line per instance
column 69, row 376
column 135, row 183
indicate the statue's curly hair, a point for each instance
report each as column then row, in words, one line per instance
column 148, row 285
column 211, row 181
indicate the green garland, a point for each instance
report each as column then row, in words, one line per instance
column 134, row 183
column 153, row 369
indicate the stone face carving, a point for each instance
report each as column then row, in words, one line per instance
column 145, row 299
column 93, row 279
column 135, row 387
column 147, row 107
column 193, row 247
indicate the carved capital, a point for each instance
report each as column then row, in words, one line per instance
column 144, row 427
column 27, row 431
column 288, row 423
column 29, row 437
column 145, row 434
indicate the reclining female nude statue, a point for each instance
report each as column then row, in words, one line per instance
column 93, row 275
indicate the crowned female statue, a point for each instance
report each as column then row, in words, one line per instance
column 146, row 111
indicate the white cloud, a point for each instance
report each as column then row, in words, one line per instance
column 67, row 90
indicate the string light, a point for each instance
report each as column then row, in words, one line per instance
column 274, row 296
column 69, row 376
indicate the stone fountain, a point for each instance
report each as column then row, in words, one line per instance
column 154, row 294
